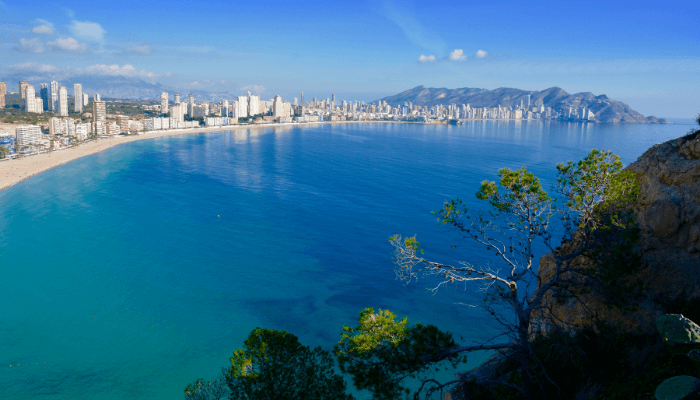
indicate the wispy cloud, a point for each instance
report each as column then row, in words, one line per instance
column 42, row 30
column 424, row 58
column 139, row 49
column 88, row 30
column 457, row 55
column 413, row 29
column 30, row 46
column 481, row 54
column 33, row 67
column 67, row 44
column 127, row 70
column 259, row 89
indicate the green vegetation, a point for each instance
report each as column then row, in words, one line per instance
column 589, row 226
column 274, row 365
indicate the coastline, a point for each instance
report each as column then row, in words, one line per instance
column 13, row 171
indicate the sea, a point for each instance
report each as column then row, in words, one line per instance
column 132, row 272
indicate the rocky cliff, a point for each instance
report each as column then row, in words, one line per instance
column 669, row 175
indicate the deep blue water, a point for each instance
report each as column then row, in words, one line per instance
column 132, row 272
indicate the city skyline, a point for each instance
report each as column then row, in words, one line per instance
column 646, row 58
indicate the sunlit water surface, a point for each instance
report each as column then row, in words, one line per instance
column 132, row 272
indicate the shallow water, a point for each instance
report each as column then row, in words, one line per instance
column 132, row 272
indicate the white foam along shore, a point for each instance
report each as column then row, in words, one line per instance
column 13, row 171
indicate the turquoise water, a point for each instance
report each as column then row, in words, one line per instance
column 132, row 272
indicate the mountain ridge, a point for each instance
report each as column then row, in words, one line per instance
column 604, row 108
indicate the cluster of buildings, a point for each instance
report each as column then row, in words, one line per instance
column 177, row 114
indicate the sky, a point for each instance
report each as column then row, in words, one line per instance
column 644, row 53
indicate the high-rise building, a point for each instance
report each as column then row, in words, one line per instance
column 177, row 112
column 23, row 89
column 45, row 96
column 164, row 103
column 253, row 105
column 528, row 101
column 191, row 100
column 99, row 116
column 63, row 101
column 86, row 99
column 3, row 91
column 177, row 98
column 302, row 100
column 29, row 99
column 332, row 101
column 123, row 122
column 38, row 105
column 53, row 97
column 224, row 108
column 242, row 105
column 278, row 107
column 78, row 97
column 96, row 97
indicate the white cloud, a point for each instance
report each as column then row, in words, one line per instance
column 68, row 44
column 254, row 88
column 457, row 54
column 414, row 30
column 88, row 30
column 423, row 58
column 34, row 67
column 140, row 49
column 30, row 46
column 481, row 54
column 115, row 70
column 43, row 30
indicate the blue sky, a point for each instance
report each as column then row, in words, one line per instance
column 644, row 53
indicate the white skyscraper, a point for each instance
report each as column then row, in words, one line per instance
column 177, row 98
column 63, row 101
column 78, row 97
column 224, row 108
column 253, row 105
column 242, row 106
column 29, row 99
column 86, row 99
column 53, row 97
column 278, row 107
column 191, row 99
column 164, row 103
column 96, row 97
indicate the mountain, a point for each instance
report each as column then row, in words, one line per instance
column 605, row 109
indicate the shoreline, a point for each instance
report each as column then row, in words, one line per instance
column 14, row 171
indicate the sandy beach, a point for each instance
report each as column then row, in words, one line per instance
column 15, row 170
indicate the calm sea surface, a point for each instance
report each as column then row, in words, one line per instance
column 132, row 272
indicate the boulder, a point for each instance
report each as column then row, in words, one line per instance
column 669, row 176
column 678, row 329
column 678, row 388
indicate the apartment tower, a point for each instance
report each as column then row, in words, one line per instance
column 164, row 103
column 44, row 93
column 78, row 97
column 53, row 97
column 23, row 89
column 99, row 117
column 3, row 91
column 63, row 101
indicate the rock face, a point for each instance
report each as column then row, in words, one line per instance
column 669, row 175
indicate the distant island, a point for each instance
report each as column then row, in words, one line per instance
column 558, row 101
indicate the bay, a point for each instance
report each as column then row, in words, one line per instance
column 132, row 272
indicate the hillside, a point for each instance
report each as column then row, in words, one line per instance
column 605, row 109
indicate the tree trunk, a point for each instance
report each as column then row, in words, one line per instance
column 525, row 364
